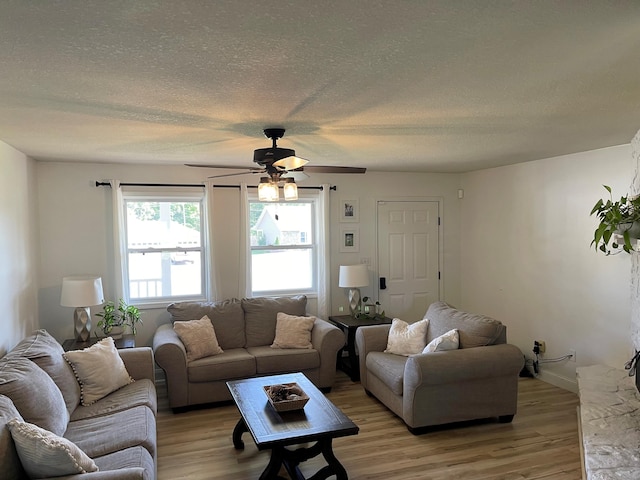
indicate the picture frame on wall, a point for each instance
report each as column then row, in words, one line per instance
column 349, row 240
column 349, row 210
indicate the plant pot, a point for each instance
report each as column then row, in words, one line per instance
column 116, row 333
column 632, row 227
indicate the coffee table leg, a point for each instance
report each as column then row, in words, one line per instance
column 273, row 468
column 238, row 430
column 334, row 465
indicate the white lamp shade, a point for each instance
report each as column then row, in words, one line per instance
column 353, row 276
column 81, row 291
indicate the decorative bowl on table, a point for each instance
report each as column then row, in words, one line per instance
column 285, row 397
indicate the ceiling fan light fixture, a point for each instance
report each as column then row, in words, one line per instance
column 291, row 162
column 290, row 189
column 268, row 190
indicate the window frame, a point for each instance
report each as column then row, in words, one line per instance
column 312, row 200
column 168, row 195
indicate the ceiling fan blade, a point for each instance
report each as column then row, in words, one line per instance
column 332, row 169
column 257, row 170
column 297, row 175
column 237, row 173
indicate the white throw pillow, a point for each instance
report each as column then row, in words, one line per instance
column 44, row 454
column 199, row 338
column 446, row 341
column 293, row 331
column 99, row 370
column 407, row 338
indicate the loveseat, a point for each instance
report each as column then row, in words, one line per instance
column 245, row 330
column 476, row 379
column 115, row 434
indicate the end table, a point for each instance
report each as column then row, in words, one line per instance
column 126, row 341
column 349, row 325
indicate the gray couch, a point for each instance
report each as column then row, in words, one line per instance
column 118, row 432
column 479, row 380
column 245, row 330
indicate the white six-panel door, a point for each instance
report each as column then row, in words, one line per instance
column 408, row 257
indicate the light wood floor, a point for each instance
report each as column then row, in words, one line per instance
column 541, row 443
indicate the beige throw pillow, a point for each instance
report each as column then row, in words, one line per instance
column 293, row 331
column 446, row 341
column 99, row 370
column 199, row 338
column 44, row 454
column 407, row 339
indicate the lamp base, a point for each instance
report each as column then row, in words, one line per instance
column 354, row 301
column 82, row 323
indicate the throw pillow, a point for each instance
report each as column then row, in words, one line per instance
column 44, row 454
column 446, row 341
column 99, row 370
column 293, row 331
column 199, row 338
column 407, row 338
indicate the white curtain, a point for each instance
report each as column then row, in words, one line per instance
column 324, row 263
column 244, row 264
column 119, row 247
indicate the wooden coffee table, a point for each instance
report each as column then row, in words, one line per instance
column 320, row 421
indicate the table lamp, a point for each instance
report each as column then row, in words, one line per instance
column 353, row 277
column 82, row 292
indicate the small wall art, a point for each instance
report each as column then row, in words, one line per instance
column 349, row 210
column 349, row 240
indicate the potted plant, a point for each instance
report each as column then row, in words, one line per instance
column 366, row 314
column 114, row 320
column 619, row 219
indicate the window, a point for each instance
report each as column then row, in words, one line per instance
column 283, row 247
column 163, row 246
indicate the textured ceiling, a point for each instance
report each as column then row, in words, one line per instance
column 441, row 86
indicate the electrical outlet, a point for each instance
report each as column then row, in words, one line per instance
column 573, row 355
column 542, row 346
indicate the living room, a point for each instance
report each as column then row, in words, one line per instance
column 516, row 246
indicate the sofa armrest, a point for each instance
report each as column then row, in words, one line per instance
column 372, row 338
column 327, row 339
column 139, row 362
column 455, row 366
column 131, row 473
column 171, row 356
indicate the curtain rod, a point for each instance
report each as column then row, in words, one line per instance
column 107, row 184
column 255, row 186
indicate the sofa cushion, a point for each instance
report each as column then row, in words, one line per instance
column 140, row 392
column 137, row 462
column 293, row 331
column 260, row 315
column 475, row 330
column 109, row 433
column 226, row 316
column 44, row 454
column 388, row 368
column 269, row 360
column 234, row 363
column 447, row 341
column 407, row 338
column 34, row 394
column 46, row 352
column 198, row 337
column 11, row 465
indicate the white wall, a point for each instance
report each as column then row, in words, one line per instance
column 75, row 219
column 18, row 251
column 526, row 258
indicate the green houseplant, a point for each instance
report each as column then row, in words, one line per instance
column 620, row 218
column 114, row 319
column 364, row 315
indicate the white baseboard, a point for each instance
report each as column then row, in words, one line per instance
column 559, row 381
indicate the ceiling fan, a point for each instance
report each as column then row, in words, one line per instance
column 277, row 162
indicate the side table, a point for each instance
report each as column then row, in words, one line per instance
column 349, row 325
column 126, row 341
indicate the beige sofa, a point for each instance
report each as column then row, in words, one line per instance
column 117, row 432
column 476, row 381
column 245, row 330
